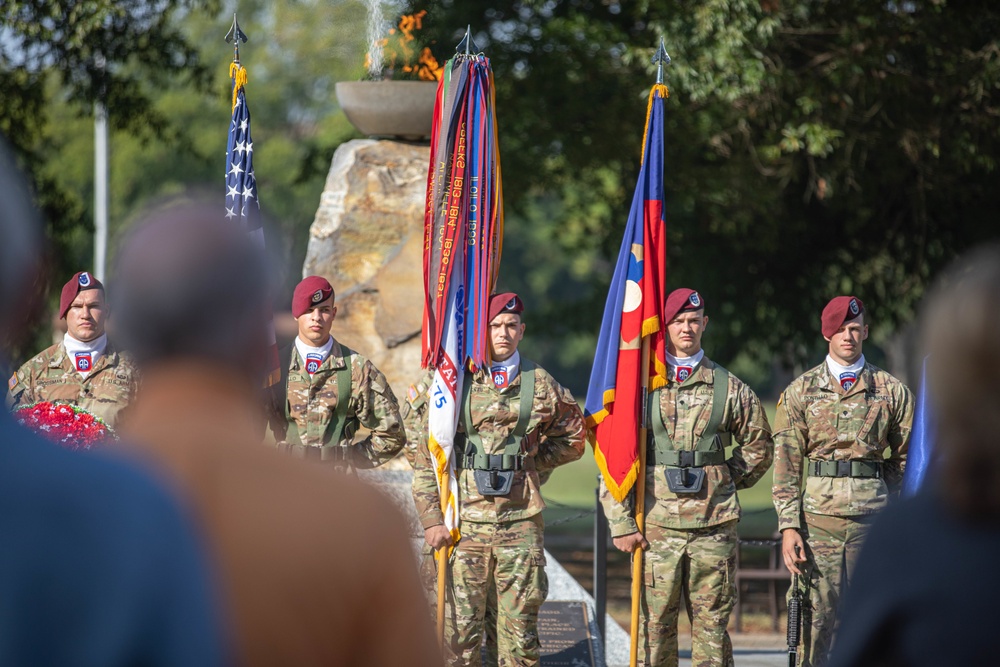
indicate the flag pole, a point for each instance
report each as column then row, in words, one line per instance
column 660, row 59
column 467, row 48
column 442, row 586
column 640, row 508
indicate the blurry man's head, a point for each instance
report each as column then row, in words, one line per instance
column 83, row 305
column 21, row 231
column 190, row 285
column 314, row 309
column 506, row 327
column 684, row 311
column 961, row 333
column 844, row 328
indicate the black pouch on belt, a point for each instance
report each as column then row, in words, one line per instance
column 685, row 480
column 494, row 482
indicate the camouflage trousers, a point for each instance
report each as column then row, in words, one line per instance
column 497, row 585
column 700, row 564
column 832, row 547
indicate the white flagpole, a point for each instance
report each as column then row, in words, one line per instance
column 100, row 184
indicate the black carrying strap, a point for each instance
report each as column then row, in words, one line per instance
column 706, row 452
column 335, row 428
column 511, row 458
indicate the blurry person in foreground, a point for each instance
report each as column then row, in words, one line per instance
column 316, row 567
column 926, row 585
column 97, row 565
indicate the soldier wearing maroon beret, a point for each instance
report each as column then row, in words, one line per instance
column 833, row 426
column 691, row 503
column 328, row 391
column 84, row 369
column 517, row 425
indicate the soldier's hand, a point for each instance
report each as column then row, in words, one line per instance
column 793, row 549
column 438, row 536
column 629, row 543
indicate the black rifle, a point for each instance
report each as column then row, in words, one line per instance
column 794, row 634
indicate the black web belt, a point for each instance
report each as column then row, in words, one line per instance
column 853, row 468
column 685, row 458
column 470, row 460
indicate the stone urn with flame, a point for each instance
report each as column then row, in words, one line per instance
column 402, row 109
column 383, row 107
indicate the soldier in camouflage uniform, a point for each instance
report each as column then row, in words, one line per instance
column 84, row 369
column 499, row 559
column 691, row 508
column 328, row 391
column 833, row 426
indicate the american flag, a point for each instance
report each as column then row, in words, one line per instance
column 241, row 190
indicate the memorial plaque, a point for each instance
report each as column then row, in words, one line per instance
column 564, row 631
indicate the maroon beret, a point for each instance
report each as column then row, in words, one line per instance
column 508, row 302
column 78, row 283
column 311, row 291
column 839, row 310
column 682, row 300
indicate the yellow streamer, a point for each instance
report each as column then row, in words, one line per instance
column 664, row 93
column 238, row 73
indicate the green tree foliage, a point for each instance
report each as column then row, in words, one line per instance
column 168, row 92
column 813, row 149
column 78, row 52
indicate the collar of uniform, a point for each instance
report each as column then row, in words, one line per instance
column 61, row 355
column 864, row 381
column 108, row 358
column 702, row 373
column 336, row 357
column 829, row 383
column 333, row 361
column 485, row 377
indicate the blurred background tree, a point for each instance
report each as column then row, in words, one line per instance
column 812, row 148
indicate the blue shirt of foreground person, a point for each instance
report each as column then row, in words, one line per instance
column 926, row 585
column 97, row 567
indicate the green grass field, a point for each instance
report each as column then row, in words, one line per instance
column 571, row 490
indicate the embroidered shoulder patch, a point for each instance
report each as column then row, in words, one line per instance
column 12, row 382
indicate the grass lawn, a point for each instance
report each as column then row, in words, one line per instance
column 571, row 488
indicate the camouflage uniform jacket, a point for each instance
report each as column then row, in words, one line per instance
column 312, row 401
column 51, row 376
column 818, row 420
column 555, row 435
column 686, row 409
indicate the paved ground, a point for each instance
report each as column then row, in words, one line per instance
column 750, row 658
column 756, row 650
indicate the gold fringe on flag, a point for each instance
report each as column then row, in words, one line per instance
column 664, row 93
column 238, row 73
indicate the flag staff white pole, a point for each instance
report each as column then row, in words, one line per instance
column 100, row 178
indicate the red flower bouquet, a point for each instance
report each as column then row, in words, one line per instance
column 68, row 425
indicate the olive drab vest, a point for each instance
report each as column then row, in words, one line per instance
column 335, row 429
column 710, row 449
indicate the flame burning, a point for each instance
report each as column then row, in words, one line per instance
column 399, row 51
